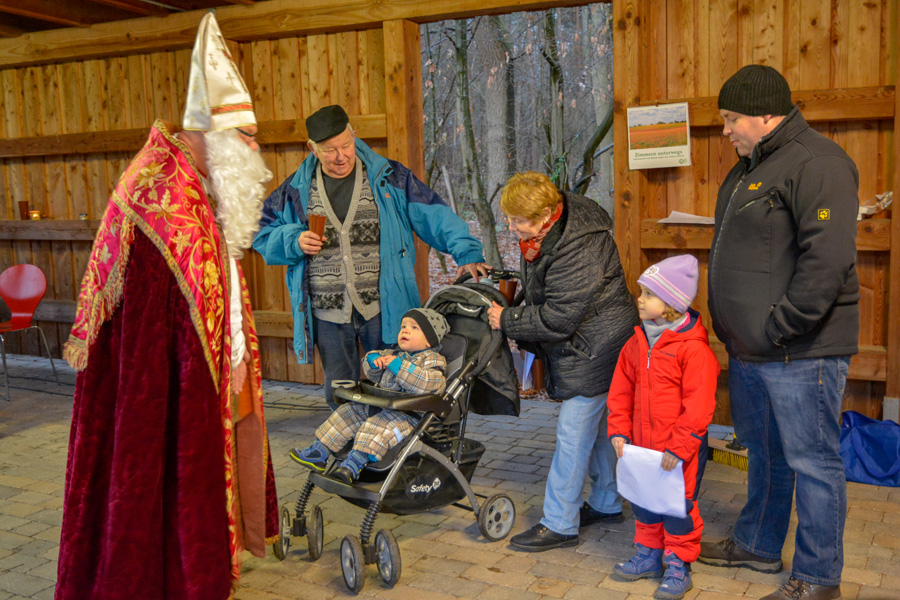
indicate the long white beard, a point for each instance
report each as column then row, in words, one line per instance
column 238, row 176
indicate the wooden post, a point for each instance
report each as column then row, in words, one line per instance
column 891, row 404
column 405, row 124
column 627, row 36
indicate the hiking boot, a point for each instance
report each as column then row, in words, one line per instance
column 539, row 538
column 796, row 589
column 728, row 554
column 315, row 457
column 645, row 564
column 589, row 515
column 677, row 580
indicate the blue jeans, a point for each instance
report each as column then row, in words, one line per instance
column 787, row 414
column 582, row 449
column 338, row 345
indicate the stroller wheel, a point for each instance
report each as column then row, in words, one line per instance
column 283, row 543
column 387, row 554
column 353, row 563
column 497, row 516
column 315, row 533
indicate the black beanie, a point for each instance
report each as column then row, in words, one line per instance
column 326, row 123
column 431, row 322
column 756, row 90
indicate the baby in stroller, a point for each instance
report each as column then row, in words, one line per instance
column 417, row 368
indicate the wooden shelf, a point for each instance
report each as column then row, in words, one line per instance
column 870, row 364
column 873, row 235
column 49, row 230
column 289, row 131
column 840, row 104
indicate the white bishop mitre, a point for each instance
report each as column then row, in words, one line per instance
column 217, row 96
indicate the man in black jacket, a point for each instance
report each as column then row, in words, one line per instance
column 783, row 296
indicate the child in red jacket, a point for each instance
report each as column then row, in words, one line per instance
column 663, row 398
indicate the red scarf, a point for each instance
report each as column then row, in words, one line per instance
column 531, row 248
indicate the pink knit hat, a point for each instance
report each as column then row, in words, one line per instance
column 674, row 280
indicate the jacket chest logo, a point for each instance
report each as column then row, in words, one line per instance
column 755, row 186
column 824, row 214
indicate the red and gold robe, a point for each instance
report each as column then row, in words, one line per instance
column 169, row 476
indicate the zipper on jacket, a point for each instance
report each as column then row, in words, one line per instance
column 766, row 198
column 648, row 360
column 714, row 250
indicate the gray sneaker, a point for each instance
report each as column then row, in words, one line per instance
column 728, row 554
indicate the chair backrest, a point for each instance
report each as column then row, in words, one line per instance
column 22, row 287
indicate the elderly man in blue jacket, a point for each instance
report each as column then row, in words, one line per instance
column 353, row 284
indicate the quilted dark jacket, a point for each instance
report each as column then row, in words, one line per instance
column 578, row 312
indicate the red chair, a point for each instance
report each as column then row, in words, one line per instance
column 22, row 287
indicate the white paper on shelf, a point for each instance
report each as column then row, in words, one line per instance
column 681, row 218
column 642, row 481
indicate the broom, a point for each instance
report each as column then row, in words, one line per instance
column 729, row 453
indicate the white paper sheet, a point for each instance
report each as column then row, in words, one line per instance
column 643, row 482
column 680, row 218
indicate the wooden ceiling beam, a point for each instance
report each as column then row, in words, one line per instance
column 10, row 31
column 262, row 20
column 71, row 14
column 135, row 6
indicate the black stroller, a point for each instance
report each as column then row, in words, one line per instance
column 432, row 467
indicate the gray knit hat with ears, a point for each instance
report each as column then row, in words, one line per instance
column 432, row 323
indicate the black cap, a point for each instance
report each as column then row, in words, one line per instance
column 756, row 90
column 326, row 123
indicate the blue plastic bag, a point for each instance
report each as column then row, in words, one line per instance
column 870, row 449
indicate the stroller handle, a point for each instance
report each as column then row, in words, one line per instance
column 494, row 275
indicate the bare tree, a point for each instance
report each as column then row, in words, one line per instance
column 597, row 19
column 556, row 152
column 492, row 60
column 535, row 89
column 470, row 165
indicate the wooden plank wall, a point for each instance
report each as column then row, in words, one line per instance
column 75, row 124
column 840, row 59
column 291, row 77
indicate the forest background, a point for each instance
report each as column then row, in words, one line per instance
column 517, row 92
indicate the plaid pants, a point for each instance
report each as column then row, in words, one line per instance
column 374, row 435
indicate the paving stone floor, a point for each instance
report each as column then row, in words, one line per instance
column 443, row 555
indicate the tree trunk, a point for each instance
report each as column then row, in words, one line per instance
column 599, row 22
column 492, row 59
column 556, row 155
column 471, row 169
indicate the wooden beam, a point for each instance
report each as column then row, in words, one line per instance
column 870, row 364
column 892, row 388
column 630, row 23
column 9, row 31
column 135, row 6
column 49, row 229
column 56, row 311
column 872, row 235
column 262, row 20
column 74, row 143
column 274, row 323
column 291, row 131
column 405, row 123
column 846, row 104
column 70, row 14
